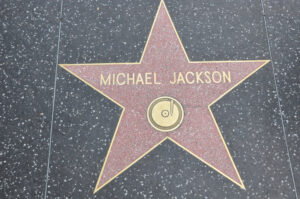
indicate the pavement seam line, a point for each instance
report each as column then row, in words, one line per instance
column 53, row 101
column 278, row 100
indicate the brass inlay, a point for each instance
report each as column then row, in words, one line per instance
column 165, row 114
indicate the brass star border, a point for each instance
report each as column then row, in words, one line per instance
column 209, row 106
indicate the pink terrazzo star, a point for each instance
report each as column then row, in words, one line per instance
column 198, row 134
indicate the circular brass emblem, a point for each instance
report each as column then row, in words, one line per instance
column 165, row 114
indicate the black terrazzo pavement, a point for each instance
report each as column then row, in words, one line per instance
column 283, row 24
column 84, row 121
column 28, row 45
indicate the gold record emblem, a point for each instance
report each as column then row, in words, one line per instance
column 165, row 114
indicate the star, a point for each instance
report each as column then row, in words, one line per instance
column 164, row 59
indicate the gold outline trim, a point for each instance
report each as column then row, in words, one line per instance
column 123, row 108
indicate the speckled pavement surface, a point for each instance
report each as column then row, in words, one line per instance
column 55, row 130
